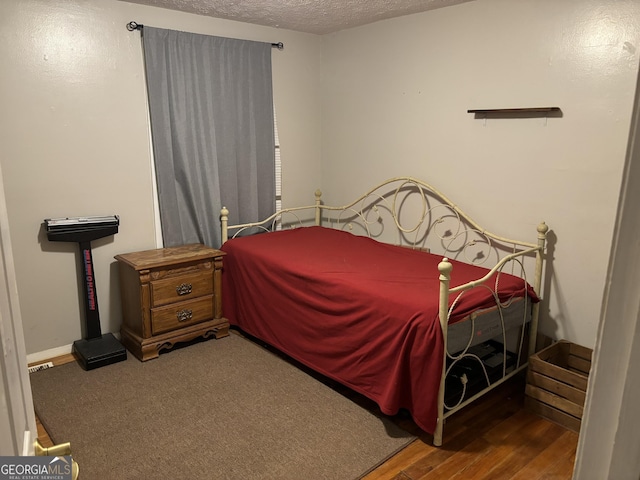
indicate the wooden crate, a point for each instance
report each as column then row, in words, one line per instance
column 557, row 380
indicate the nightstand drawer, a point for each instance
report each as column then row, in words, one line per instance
column 183, row 287
column 179, row 315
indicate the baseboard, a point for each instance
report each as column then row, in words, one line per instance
column 49, row 354
column 54, row 352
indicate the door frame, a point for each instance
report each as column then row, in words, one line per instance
column 610, row 435
column 17, row 415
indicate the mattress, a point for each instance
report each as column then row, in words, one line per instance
column 486, row 325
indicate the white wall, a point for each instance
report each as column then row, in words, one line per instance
column 74, row 136
column 353, row 108
column 395, row 101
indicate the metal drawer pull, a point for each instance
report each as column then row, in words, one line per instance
column 184, row 315
column 184, row 289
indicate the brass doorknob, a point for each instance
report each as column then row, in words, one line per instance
column 55, row 451
column 61, row 450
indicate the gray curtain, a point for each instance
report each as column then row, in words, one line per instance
column 211, row 108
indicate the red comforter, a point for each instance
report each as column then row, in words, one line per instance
column 358, row 311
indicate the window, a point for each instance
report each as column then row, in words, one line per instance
column 278, row 169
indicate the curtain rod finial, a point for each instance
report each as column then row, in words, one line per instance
column 131, row 26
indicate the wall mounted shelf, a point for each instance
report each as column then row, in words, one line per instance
column 517, row 112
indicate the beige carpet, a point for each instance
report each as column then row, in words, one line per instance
column 219, row 409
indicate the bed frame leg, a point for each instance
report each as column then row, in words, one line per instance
column 444, row 267
column 437, row 435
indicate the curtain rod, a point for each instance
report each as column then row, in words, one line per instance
column 131, row 26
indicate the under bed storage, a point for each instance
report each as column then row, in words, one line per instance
column 484, row 364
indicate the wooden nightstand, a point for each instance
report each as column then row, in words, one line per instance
column 170, row 295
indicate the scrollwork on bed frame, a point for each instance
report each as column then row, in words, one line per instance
column 421, row 217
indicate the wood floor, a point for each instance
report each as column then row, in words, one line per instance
column 494, row 438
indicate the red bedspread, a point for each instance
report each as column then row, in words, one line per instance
column 358, row 311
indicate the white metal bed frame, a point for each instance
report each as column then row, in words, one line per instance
column 442, row 228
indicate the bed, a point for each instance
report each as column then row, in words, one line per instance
column 398, row 295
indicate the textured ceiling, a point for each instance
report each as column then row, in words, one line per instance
column 310, row 16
